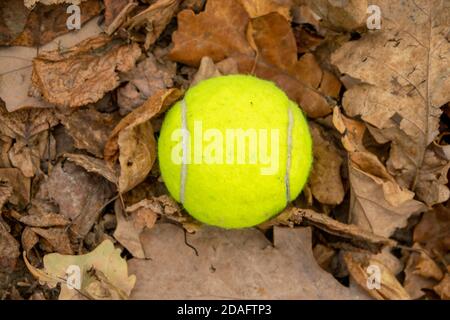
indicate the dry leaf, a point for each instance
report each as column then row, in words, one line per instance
column 80, row 195
column 231, row 264
column 405, row 73
column 390, row 288
column 258, row 8
column 113, row 8
column 325, row 179
column 104, row 260
column 91, row 164
column 341, row 15
column 16, row 66
column 443, row 288
column 45, row 220
column 131, row 225
column 6, row 190
column 433, row 231
column 84, row 73
column 21, row 186
column 155, row 19
column 56, row 239
column 90, row 129
column 31, row 3
column 9, row 249
column 144, row 80
column 132, row 141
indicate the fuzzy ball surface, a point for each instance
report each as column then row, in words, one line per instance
column 235, row 151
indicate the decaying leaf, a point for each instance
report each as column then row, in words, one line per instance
column 362, row 266
column 102, row 268
column 91, row 164
column 231, row 264
column 44, row 221
column 9, row 249
column 155, row 19
column 20, row 184
column 144, row 80
column 443, row 288
column 90, row 129
column 130, row 226
column 405, row 75
column 80, row 195
column 55, row 239
column 325, row 179
column 6, row 190
column 84, row 73
column 132, row 141
column 268, row 50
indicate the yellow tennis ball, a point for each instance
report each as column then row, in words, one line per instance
column 235, row 151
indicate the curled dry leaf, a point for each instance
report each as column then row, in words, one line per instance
column 131, row 225
column 20, row 184
column 443, row 288
column 341, row 15
column 268, row 50
column 231, row 264
column 155, row 19
column 91, row 164
column 377, row 202
column 132, row 141
column 405, row 75
column 80, row 195
column 90, row 129
column 325, row 179
column 433, row 231
column 84, row 73
column 144, row 80
column 9, row 249
column 389, row 289
column 54, row 239
column 102, row 267
column 6, row 190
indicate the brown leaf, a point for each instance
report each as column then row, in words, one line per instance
column 91, row 164
column 390, row 288
column 131, row 225
column 341, row 16
column 30, row 28
column 144, row 80
column 443, row 288
column 325, row 179
column 80, row 195
column 6, row 190
column 113, row 8
column 21, row 186
column 9, row 250
column 84, row 73
column 155, row 18
column 258, row 8
column 57, row 238
column 16, row 68
column 44, row 221
column 433, row 231
column 231, row 264
column 405, row 78
column 90, row 129
column 218, row 32
column 132, row 141
column 29, row 240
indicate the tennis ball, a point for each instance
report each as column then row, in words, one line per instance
column 235, row 151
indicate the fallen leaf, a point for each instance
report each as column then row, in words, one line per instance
column 390, row 288
column 6, row 190
column 325, row 178
column 21, row 186
column 91, row 164
column 102, row 267
column 131, row 225
column 113, row 8
column 433, row 230
column 90, row 129
column 31, row 3
column 258, row 8
column 9, row 250
column 84, row 73
column 80, row 195
column 405, row 77
column 16, row 65
column 37, row 27
column 45, row 220
column 341, row 15
column 132, row 141
column 443, row 288
column 155, row 19
column 56, row 238
column 231, row 264
column 144, row 80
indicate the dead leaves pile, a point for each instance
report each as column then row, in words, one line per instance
column 80, row 112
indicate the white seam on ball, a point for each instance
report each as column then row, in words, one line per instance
column 289, row 155
column 184, row 148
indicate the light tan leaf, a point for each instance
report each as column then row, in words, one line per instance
column 104, row 265
column 84, row 73
column 325, row 179
column 231, row 264
column 390, row 288
column 405, row 75
column 443, row 288
column 132, row 141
